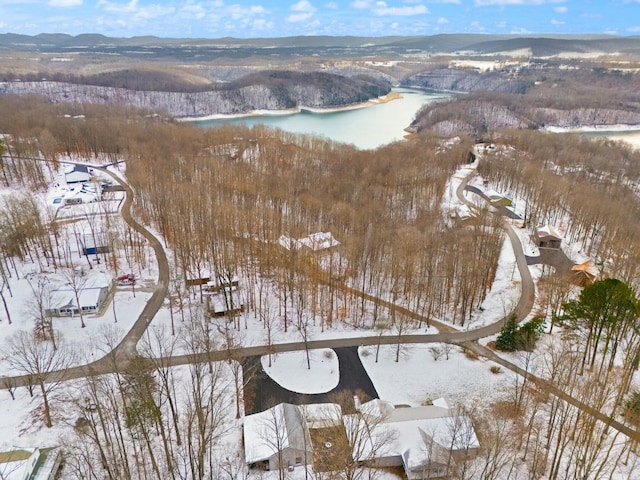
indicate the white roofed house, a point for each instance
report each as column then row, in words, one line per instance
column 77, row 174
column 78, row 194
column 30, row 463
column 426, row 441
column 319, row 241
column 197, row 277
column 315, row 242
column 92, row 297
column 94, row 243
column 277, row 438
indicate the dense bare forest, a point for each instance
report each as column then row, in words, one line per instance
column 222, row 198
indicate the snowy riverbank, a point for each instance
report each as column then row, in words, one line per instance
column 624, row 133
column 291, row 111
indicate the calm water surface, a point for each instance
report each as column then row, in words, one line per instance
column 366, row 128
column 632, row 137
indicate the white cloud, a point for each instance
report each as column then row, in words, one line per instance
column 332, row 5
column 394, row 25
column 130, row 7
column 381, row 9
column 64, row 3
column 361, row 4
column 489, row 3
column 443, row 21
column 557, row 22
column 560, row 9
column 520, row 31
column 299, row 17
column 196, row 11
column 238, row 12
column 303, row 6
column 136, row 12
column 260, row 24
column 303, row 12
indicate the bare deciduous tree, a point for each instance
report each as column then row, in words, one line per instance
column 44, row 364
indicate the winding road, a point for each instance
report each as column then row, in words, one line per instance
column 126, row 350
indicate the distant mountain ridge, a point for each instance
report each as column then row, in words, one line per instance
column 443, row 43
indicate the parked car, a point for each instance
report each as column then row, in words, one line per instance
column 126, row 279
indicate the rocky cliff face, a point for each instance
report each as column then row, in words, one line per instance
column 242, row 99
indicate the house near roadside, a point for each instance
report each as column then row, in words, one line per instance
column 277, row 438
column 210, row 281
column 547, row 236
column 425, row 441
column 30, row 463
column 92, row 297
column 216, row 284
column 77, row 174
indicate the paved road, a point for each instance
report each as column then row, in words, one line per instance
column 126, row 350
column 265, row 393
column 127, row 347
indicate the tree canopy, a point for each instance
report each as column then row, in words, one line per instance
column 604, row 313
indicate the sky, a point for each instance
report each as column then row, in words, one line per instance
column 280, row 18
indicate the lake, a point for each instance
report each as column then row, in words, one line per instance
column 632, row 137
column 366, row 128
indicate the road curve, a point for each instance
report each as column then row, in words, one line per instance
column 126, row 349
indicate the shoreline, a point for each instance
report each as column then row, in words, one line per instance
column 389, row 97
column 593, row 129
column 629, row 134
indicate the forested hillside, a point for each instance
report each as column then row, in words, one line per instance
column 162, row 92
column 535, row 95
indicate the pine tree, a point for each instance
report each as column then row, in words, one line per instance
column 507, row 341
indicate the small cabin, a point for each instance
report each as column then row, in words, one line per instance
column 94, row 243
column 585, row 273
column 547, row 236
column 227, row 301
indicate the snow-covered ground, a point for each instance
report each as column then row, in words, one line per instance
column 422, row 373
column 290, row 370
